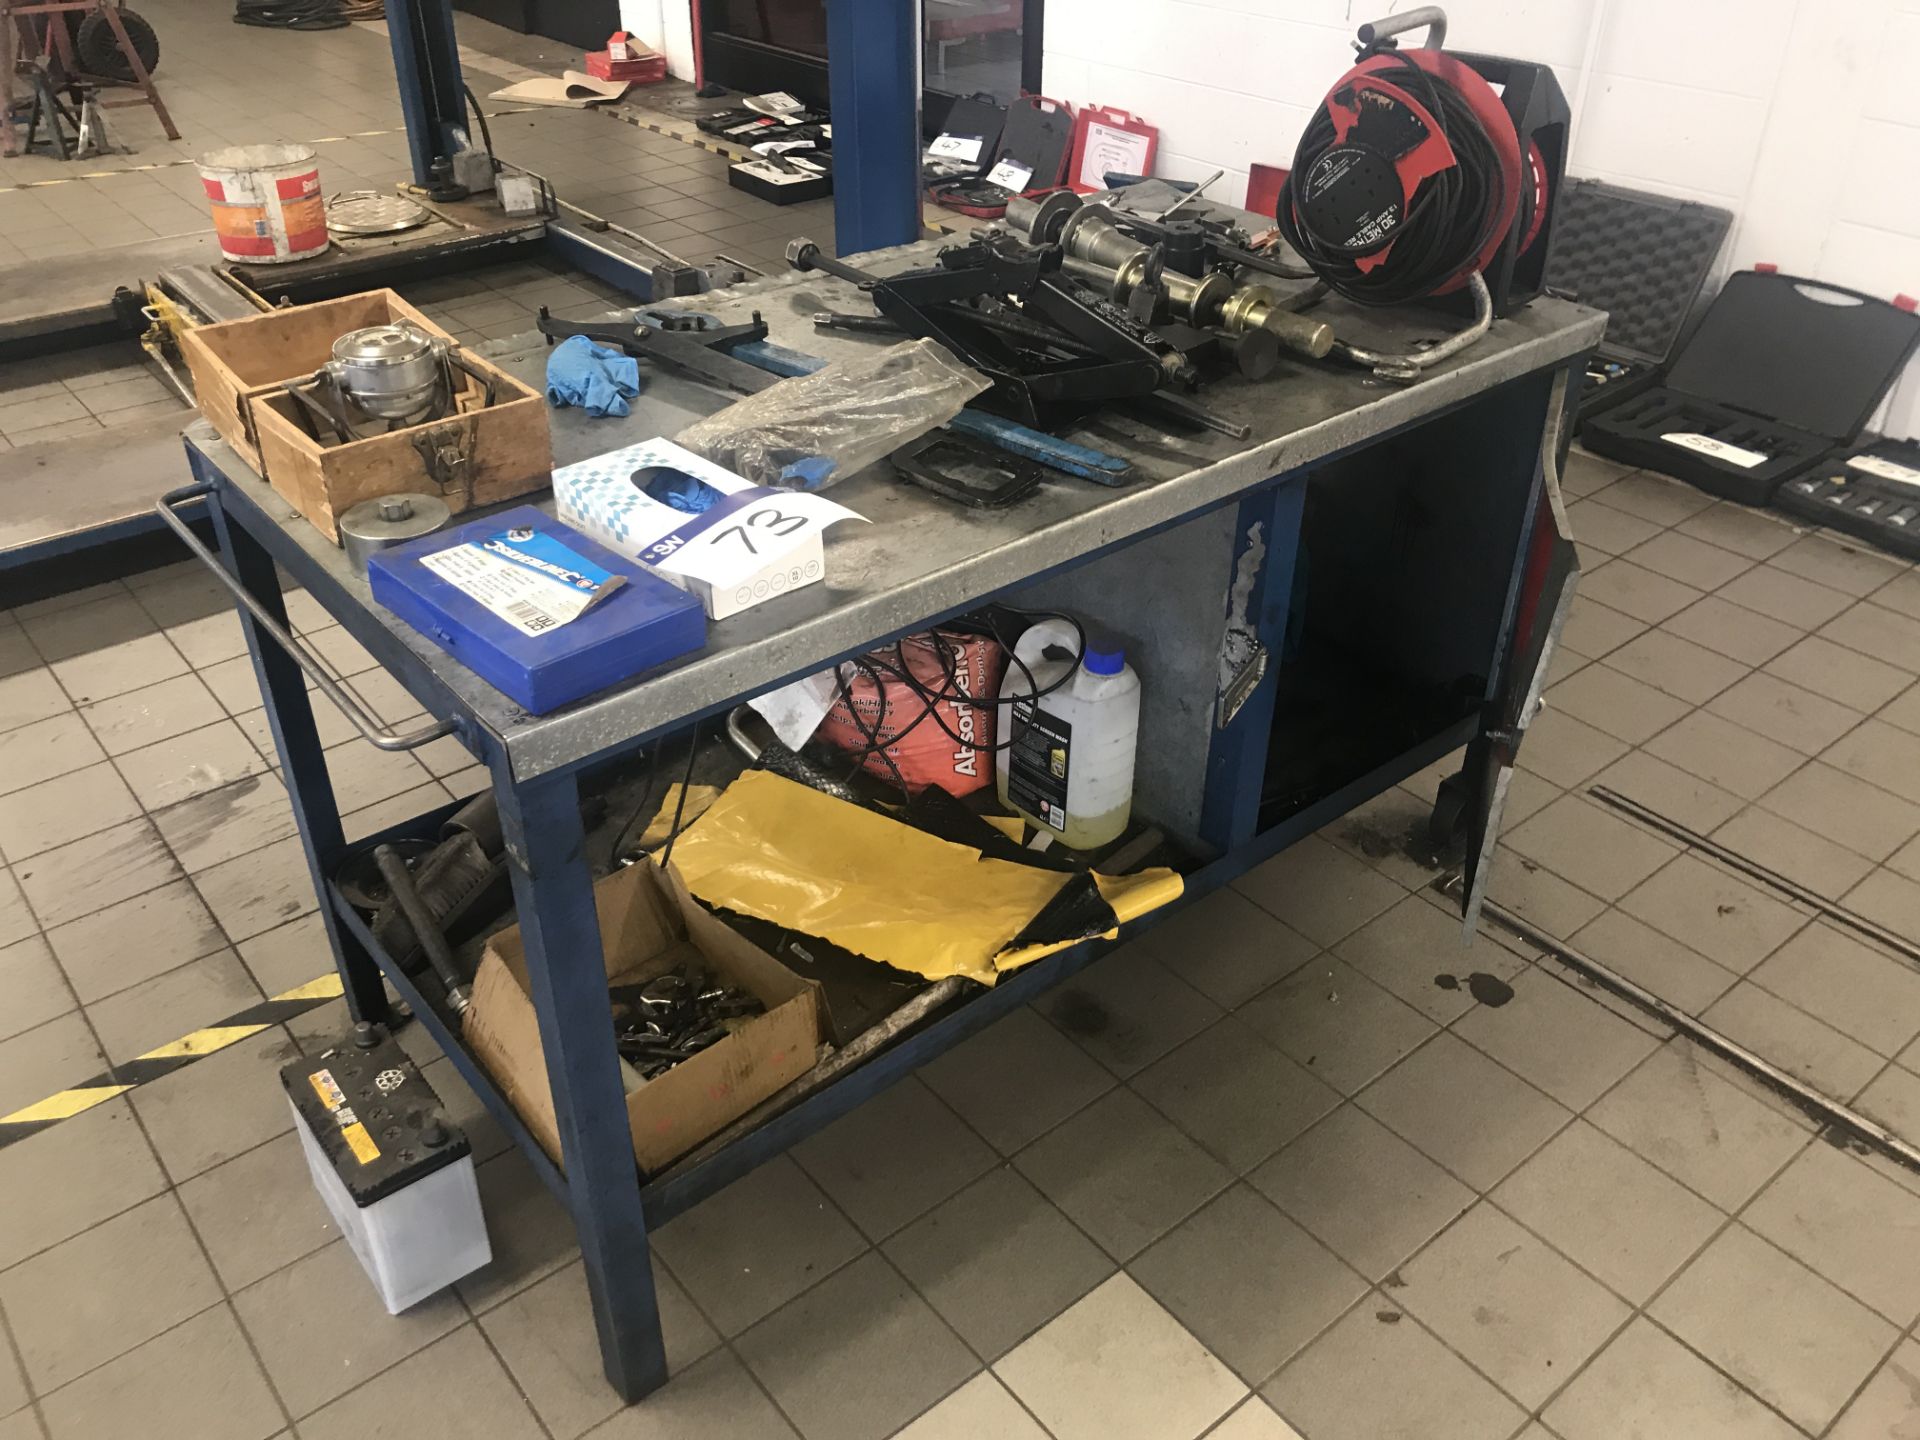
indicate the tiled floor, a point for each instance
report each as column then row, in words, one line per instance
column 61, row 396
column 1272, row 1171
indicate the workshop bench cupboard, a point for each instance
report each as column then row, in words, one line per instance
column 1317, row 612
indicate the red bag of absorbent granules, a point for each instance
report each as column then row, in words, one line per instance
column 886, row 692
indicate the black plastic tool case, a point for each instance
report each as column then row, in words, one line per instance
column 1643, row 259
column 1038, row 134
column 1781, row 372
column 1872, row 491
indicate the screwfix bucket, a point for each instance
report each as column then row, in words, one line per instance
column 266, row 202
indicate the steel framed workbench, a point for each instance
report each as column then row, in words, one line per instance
column 1206, row 536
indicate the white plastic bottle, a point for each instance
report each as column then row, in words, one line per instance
column 1070, row 766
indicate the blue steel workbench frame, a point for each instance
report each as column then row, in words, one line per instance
column 612, row 1208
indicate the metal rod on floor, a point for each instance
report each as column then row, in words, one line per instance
column 1820, row 1106
column 1733, row 859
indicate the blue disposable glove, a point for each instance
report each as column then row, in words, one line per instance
column 595, row 377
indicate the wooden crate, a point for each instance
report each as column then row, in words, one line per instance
column 235, row 362
column 506, row 447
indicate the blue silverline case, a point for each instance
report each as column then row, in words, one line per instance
column 636, row 622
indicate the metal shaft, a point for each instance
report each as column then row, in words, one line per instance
column 804, row 254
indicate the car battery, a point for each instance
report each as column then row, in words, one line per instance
column 1643, row 259
column 395, row 1173
column 1871, row 492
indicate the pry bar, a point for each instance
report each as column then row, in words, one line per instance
column 701, row 353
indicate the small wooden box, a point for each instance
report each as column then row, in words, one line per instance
column 236, row 361
column 480, row 455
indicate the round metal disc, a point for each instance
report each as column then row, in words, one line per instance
column 369, row 212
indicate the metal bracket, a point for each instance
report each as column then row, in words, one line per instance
column 357, row 715
column 1240, row 689
column 447, row 453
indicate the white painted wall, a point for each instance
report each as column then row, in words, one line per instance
column 1801, row 116
column 666, row 26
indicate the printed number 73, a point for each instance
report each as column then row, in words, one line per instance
column 769, row 519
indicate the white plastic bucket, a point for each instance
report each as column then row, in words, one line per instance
column 266, row 202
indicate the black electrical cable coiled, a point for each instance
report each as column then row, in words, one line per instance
column 1450, row 218
column 305, row 14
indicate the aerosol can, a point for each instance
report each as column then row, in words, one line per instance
column 1069, row 768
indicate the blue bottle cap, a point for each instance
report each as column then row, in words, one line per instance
column 1099, row 661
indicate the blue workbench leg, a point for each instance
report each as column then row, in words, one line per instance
column 566, row 971
column 1259, row 602
column 874, row 77
column 303, row 764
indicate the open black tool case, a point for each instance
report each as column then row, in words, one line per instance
column 1781, row 372
column 1643, row 259
column 1872, row 491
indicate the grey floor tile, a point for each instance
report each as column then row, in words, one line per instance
column 1247, row 1282
column 102, row 672
column 1227, row 947
column 1662, row 964
column 1890, row 1401
column 1855, row 1228
column 159, row 1011
column 894, row 1158
column 1456, row 1105
column 1890, row 899
column 50, row 1057
column 1237, row 1096
column 201, row 1368
column 1691, row 561
column 997, row 1261
column 1318, row 890
column 1655, row 497
column 1839, row 564
column 290, row 956
column 531, row 1233
column 1509, row 1304
column 1845, row 809
column 14, row 1396
column 1535, row 893
column 1902, row 593
column 101, row 1165
column 1390, row 833
column 456, row 1386
column 1388, row 1379
column 29, row 696
column 44, row 749
column 1615, row 702
column 1127, row 1009
column 112, row 618
column 1775, row 1326
column 757, row 1244
column 856, row 1357
column 714, row 1397
column 1122, row 1172
column 1856, row 988
column 151, row 714
column 320, row 1329
column 1785, row 712
column 1733, row 630
column 258, row 1212
column 1590, row 845
column 1670, row 791
column 1608, row 1210
column 68, row 808
column 1831, row 1062
column 1567, row 751
column 1839, row 674
column 1338, row 1024
column 255, row 893
column 219, row 1107
column 227, row 823
column 190, row 764
column 1612, row 532
column 1416, row 952
column 1367, row 1194
column 1647, row 597
column 1883, row 634
column 1821, row 865
column 982, row 1406
column 1679, row 667
column 1904, row 710
column 1594, row 630
column 134, row 940
column 1117, row 1366
column 1647, row 1383
column 1563, row 1041
column 103, row 1292
column 545, row 1334
column 1707, row 909
column 16, row 916
column 35, row 986
column 1771, row 591
column 87, row 875
column 1726, row 754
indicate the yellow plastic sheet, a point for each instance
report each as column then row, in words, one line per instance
column 782, row 852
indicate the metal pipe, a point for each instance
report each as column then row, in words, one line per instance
column 1733, row 859
column 425, row 928
column 804, row 254
column 1820, row 1106
column 1431, row 16
column 1407, row 365
column 1191, row 195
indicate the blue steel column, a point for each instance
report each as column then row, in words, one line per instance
column 1237, row 758
column 873, row 73
column 426, row 66
column 303, row 764
column 566, row 971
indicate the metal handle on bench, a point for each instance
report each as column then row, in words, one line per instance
column 1431, row 16
column 368, row 725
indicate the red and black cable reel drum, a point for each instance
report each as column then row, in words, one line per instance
column 1416, row 172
